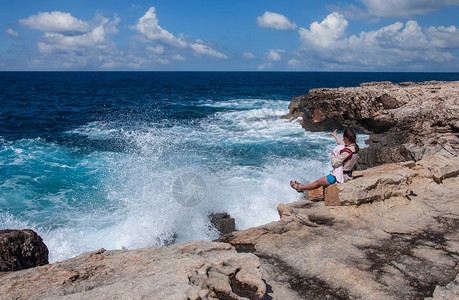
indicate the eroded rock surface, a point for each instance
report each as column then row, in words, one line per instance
column 21, row 249
column 407, row 121
column 190, row 270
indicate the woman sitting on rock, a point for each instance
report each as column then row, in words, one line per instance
column 343, row 159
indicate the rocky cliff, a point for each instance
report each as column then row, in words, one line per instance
column 406, row 121
column 394, row 237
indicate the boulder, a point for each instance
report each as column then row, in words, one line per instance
column 438, row 167
column 21, row 249
column 375, row 184
column 316, row 194
column 223, row 222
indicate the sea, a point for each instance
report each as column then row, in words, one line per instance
column 123, row 160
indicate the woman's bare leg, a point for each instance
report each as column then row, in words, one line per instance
column 318, row 183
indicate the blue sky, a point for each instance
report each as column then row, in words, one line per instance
column 293, row 35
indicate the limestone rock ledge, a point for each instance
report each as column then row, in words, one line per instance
column 402, row 247
column 407, row 121
column 190, row 270
column 390, row 180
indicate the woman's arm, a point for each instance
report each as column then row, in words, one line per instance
column 339, row 141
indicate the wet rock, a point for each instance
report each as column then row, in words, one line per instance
column 223, row 222
column 21, row 249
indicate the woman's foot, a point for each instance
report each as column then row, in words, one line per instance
column 296, row 186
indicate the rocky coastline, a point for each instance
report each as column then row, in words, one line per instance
column 394, row 235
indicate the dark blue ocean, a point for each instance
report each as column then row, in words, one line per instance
column 102, row 159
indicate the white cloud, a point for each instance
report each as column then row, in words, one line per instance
column 326, row 45
column 55, row 21
column 443, row 37
column 148, row 27
column 95, row 39
column 12, row 33
column 71, row 43
column 248, row 55
column 274, row 54
column 275, row 21
column 325, row 33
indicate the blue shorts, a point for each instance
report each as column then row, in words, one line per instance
column 331, row 179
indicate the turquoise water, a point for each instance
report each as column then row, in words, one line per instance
column 89, row 160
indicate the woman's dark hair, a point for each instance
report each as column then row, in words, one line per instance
column 350, row 135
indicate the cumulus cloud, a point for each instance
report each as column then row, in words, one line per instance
column 55, row 21
column 274, row 54
column 325, row 33
column 275, row 21
column 397, row 45
column 96, row 38
column 443, row 37
column 149, row 28
column 68, row 42
column 12, row 33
